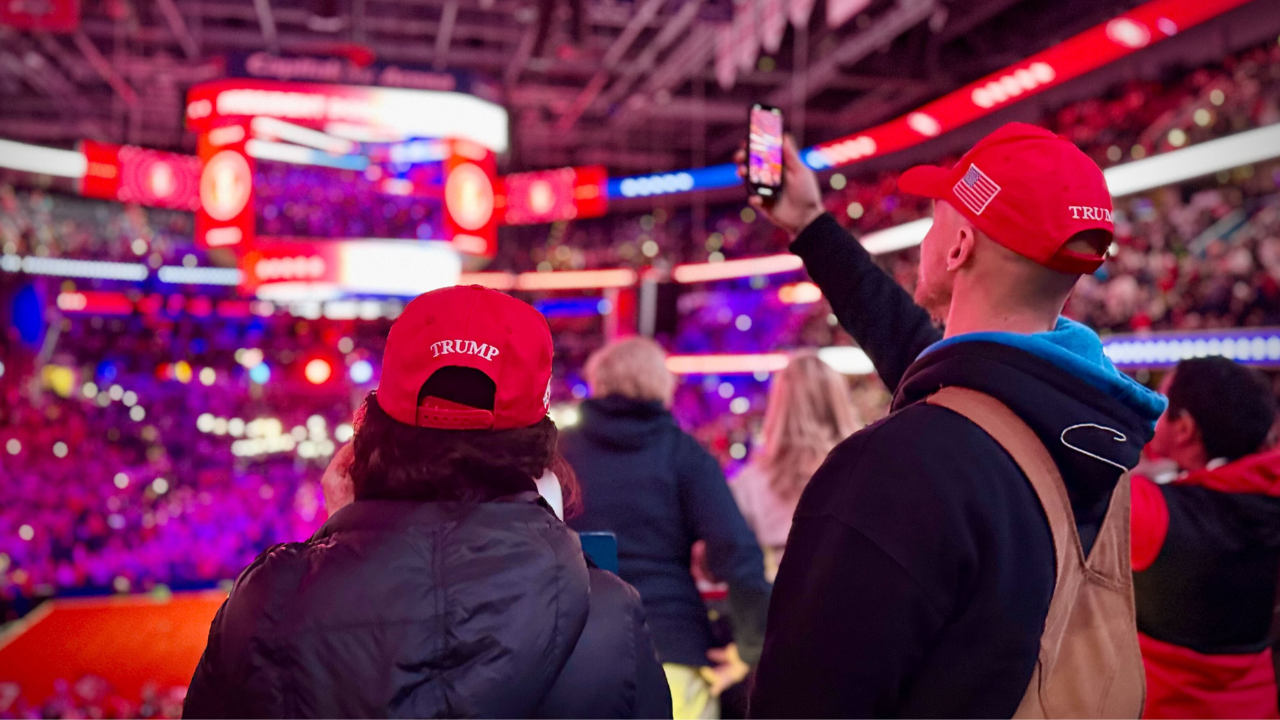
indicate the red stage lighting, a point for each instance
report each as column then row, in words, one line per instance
column 317, row 371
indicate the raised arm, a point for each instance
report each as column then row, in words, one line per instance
column 886, row 323
column 869, row 304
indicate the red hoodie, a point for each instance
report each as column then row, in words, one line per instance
column 1206, row 558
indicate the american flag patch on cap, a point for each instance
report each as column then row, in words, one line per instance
column 976, row 190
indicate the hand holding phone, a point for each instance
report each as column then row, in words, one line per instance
column 796, row 206
column 764, row 152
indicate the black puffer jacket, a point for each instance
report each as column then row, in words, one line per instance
column 402, row 609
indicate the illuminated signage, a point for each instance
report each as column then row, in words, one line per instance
column 1090, row 50
column 225, row 216
column 553, row 195
column 471, row 218
column 1252, row 346
column 662, row 184
column 286, row 269
column 139, row 175
column 396, row 113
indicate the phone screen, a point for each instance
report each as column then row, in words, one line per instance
column 764, row 165
column 602, row 548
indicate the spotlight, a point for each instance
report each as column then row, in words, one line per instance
column 361, row 372
column 317, row 371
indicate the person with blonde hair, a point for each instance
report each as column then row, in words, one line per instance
column 659, row 492
column 810, row 411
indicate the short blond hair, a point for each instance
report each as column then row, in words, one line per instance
column 634, row 368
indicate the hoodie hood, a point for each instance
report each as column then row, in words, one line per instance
column 1076, row 349
column 623, row 423
column 1253, row 474
column 1093, row 421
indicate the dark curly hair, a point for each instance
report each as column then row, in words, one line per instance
column 394, row 461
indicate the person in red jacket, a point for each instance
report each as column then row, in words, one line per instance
column 1206, row 547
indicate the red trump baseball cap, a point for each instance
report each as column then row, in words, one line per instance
column 470, row 327
column 1029, row 190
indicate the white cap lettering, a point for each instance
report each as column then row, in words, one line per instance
column 463, row 347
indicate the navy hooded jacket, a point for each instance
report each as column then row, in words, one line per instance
column 659, row 491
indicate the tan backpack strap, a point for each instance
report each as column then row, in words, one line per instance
column 1028, row 452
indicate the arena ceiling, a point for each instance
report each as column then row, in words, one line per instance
column 630, row 85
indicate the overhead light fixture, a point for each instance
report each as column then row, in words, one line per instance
column 298, row 155
column 726, row 364
column 747, row 267
column 274, row 129
column 42, row 160
column 1206, row 158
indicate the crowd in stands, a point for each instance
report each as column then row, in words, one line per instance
column 50, row 224
column 100, row 499
column 92, row 697
column 307, row 201
column 1210, row 260
column 1134, row 120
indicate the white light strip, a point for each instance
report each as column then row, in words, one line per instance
column 363, row 133
column 898, row 237
column 847, row 360
column 843, row 359
column 726, row 364
column 59, row 267
column 747, row 267
column 43, row 160
column 282, row 130
column 180, row 275
column 298, row 155
column 396, row 267
column 1204, row 158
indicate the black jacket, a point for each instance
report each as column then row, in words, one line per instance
column 402, row 609
column 1207, row 555
column 920, row 566
column 659, row 491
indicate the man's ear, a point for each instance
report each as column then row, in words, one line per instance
column 1185, row 430
column 961, row 249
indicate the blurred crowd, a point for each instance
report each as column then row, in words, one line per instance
column 100, row 501
column 308, row 201
column 1210, row 260
column 1132, row 121
column 118, row 456
column 92, row 697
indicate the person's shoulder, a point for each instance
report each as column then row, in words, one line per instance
column 611, row 594
column 252, row 610
column 922, row 457
column 268, row 571
column 919, row 436
column 615, row 614
column 687, row 449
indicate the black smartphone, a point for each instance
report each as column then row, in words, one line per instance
column 764, row 151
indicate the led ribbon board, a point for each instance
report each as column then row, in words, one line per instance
column 1088, row 51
